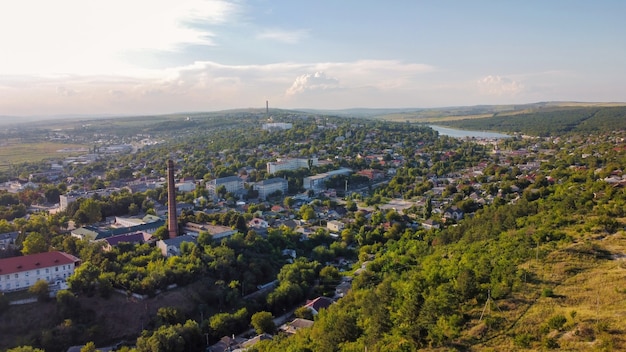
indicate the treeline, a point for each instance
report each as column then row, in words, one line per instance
column 550, row 122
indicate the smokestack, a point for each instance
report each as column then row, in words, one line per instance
column 172, row 221
column 267, row 107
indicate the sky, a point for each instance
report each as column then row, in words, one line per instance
column 138, row 57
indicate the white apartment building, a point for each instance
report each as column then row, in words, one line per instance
column 318, row 182
column 20, row 273
column 290, row 164
column 277, row 126
column 267, row 187
column 232, row 184
column 71, row 197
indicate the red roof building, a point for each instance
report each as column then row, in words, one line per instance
column 19, row 273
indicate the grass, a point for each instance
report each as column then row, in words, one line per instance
column 588, row 291
column 15, row 152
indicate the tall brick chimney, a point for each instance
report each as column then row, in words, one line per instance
column 172, row 221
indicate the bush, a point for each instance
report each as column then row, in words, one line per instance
column 557, row 322
column 549, row 342
column 547, row 292
column 523, row 340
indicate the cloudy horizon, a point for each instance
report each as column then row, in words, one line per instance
column 72, row 57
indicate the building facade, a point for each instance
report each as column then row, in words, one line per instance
column 20, row 273
column 232, row 184
column 290, row 164
column 71, row 197
column 267, row 187
column 318, row 182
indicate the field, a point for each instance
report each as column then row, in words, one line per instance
column 15, row 152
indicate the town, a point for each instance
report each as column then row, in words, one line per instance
column 226, row 230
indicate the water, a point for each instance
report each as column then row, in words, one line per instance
column 451, row 132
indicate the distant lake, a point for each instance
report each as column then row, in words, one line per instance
column 451, row 132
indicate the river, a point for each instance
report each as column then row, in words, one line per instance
column 451, row 132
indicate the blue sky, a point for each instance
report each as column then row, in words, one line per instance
column 162, row 56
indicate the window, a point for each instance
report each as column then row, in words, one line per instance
column 16, row 276
column 37, row 271
column 47, row 270
column 56, row 268
column 27, row 273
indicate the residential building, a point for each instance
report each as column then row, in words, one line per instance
column 71, row 197
column 290, row 164
column 372, row 174
column 7, row 240
column 277, row 126
column 267, row 187
column 293, row 326
column 171, row 246
column 19, row 273
column 318, row 182
column 232, row 184
column 335, row 225
column 454, row 213
column 318, row 304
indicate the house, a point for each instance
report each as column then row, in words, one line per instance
column 453, row 213
column 335, row 225
column 19, row 273
column 430, row 224
column 226, row 343
column 343, row 288
column 317, row 304
column 293, row 326
column 171, row 247
column 372, row 174
column 259, row 225
column 244, row 346
column 7, row 240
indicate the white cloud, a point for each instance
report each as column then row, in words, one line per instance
column 312, row 81
column 92, row 37
column 209, row 85
column 284, row 36
column 499, row 86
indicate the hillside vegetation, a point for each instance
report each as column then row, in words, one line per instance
column 549, row 122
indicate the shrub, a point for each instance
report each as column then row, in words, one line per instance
column 523, row 340
column 557, row 322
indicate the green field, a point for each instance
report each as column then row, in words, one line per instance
column 14, row 152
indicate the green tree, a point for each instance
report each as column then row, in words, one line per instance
column 263, row 322
column 288, row 202
column 34, row 243
column 162, row 233
column 307, row 212
column 68, row 305
column 41, row 289
column 89, row 347
column 25, row 349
